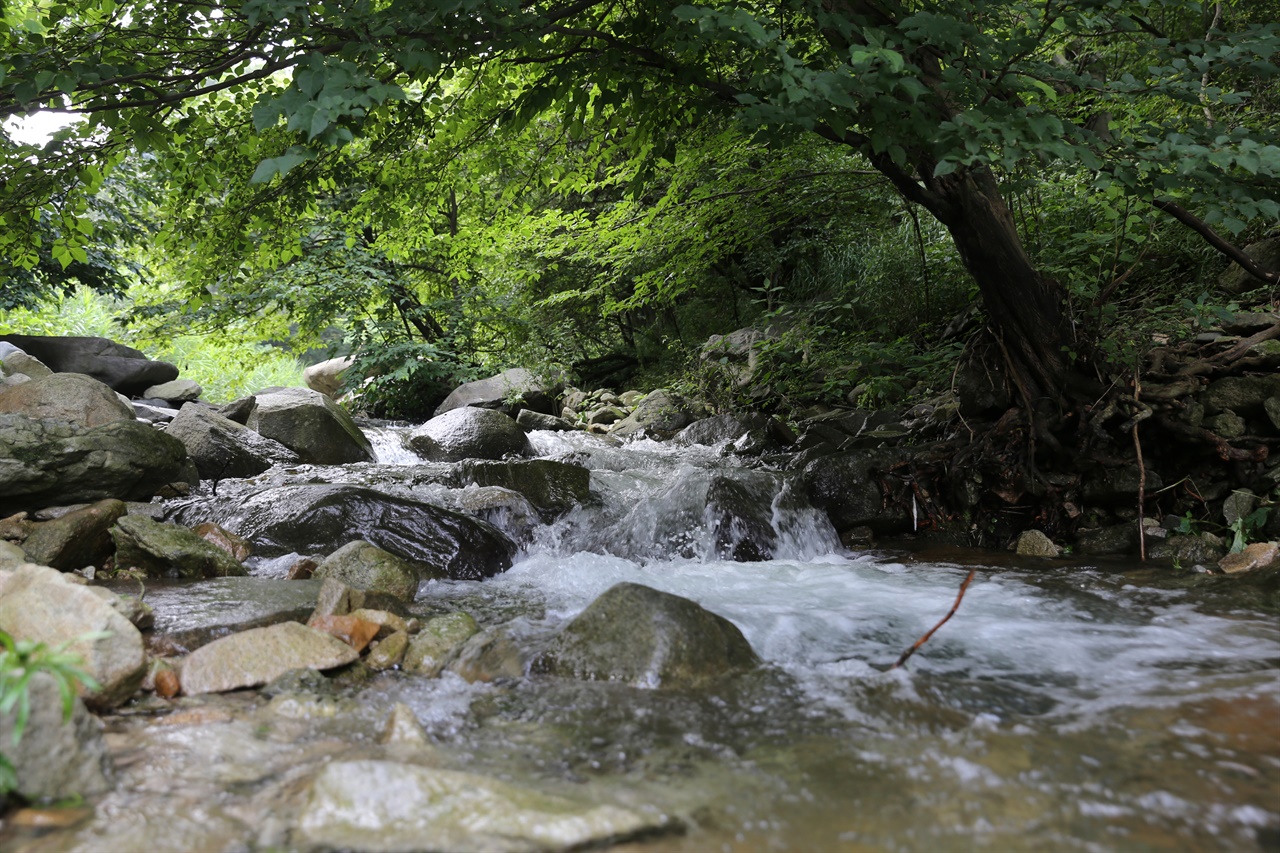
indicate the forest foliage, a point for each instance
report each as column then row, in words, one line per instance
column 452, row 186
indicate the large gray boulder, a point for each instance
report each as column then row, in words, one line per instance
column 662, row 413
column 53, row 463
column 222, row 448
column 311, row 425
column 747, row 433
column 647, row 638
column 56, row 758
column 260, row 655
column 320, row 519
column 469, row 433
column 68, row 397
column 16, row 361
column 170, row 551
column 509, row 392
column 43, row 605
column 742, row 521
column 368, row 568
column 846, row 487
column 388, row 806
column 77, row 539
column 123, row 368
column 552, row 487
column 175, row 391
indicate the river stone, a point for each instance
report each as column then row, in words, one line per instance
column 552, row 487
column 67, row 397
column 747, row 434
column 75, row 540
column 367, row 567
column 438, row 642
column 389, row 652
column 123, row 368
column 311, row 519
column 469, row 433
column 175, row 391
column 508, row 392
column 52, row 463
column 1254, row 557
column 311, row 425
column 386, row 806
column 18, row 361
column 170, row 551
column 846, row 487
column 647, row 638
column 1033, row 543
column 259, row 655
column 663, row 413
column 236, row 546
column 326, row 376
column 222, row 448
column 402, row 728
column 488, row 656
column 41, row 604
column 190, row 615
column 239, row 410
column 742, row 521
column 530, row 420
column 506, row 510
column 56, row 758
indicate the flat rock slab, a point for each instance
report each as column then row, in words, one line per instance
column 188, row 616
column 387, row 806
column 254, row 657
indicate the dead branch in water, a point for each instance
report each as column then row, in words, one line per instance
column 952, row 612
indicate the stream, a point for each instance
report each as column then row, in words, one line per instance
column 1066, row 706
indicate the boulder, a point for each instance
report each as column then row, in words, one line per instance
column 469, row 433
column 507, row 510
column 326, row 377
column 234, row 545
column 188, row 616
column 508, row 392
column 647, row 638
column 311, row 425
column 239, row 410
column 169, row 551
column 125, row 369
column 66, row 397
column 43, row 605
column 438, row 643
column 259, row 655
column 1033, row 543
column 18, row 362
column 1244, row 395
column 222, row 448
column 742, row 521
column 530, row 420
column 747, row 434
column 387, row 806
column 153, row 414
column 52, row 463
column 552, row 487
column 77, row 539
column 311, row 519
column 663, row 413
column 175, row 391
column 1266, row 253
column 56, row 758
column 846, row 487
column 367, row 567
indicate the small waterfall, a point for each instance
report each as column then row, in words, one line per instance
column 391, row 445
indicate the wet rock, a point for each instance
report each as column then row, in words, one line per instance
column 1189, row 550
column 260, row 655
column 326, row 377
column 169, row 551
column 51, row 463
column 43, row 605
column 334, row 598
column 438, row 642
column 742, row 521
column 747, row 434
column 175, row 391
column 389, row 652
column 311, row 425
column 662, row 413
column 605, row 415
column 153, row 414
column 79, row 538
column 488, row 656
column 299, row 682
column 236, row 546
column 364, row 566
column 506, row 510
column 552, row 487
column 352, row 630
column 403, row 729
column 222, row 448
column 847, row 488
column 1033, row 543
column 469, row 433
column 508, row 392
column 188, row 616
column 387, row 806
column 1259, row 555
column 1105, row 541
column 139, row 613
column 302, row 569
column 66, row 397
column 530, row 420
column 322, row 518
column 388, row 623
column 647, row 638
column 123, row 368
column 56, row 758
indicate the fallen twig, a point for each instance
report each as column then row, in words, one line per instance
column 952, row 612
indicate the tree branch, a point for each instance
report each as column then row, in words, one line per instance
column 1216, row 240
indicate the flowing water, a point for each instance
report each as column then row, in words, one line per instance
column 1065, row 707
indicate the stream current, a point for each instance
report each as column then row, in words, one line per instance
column 1066, row 706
